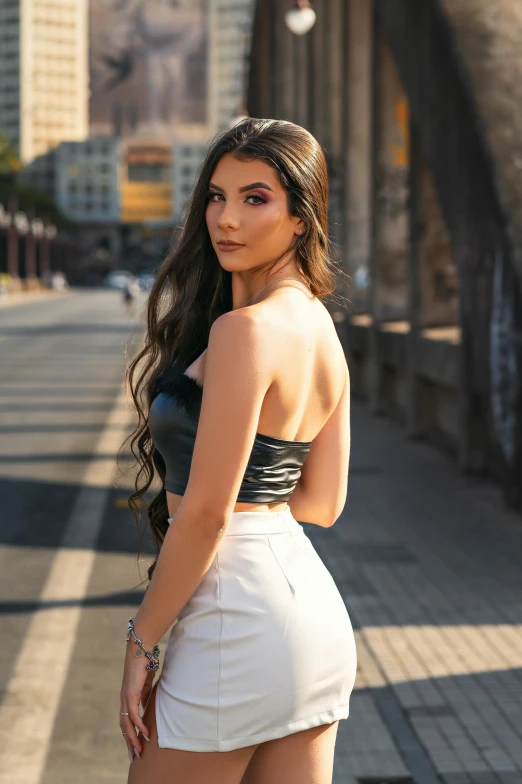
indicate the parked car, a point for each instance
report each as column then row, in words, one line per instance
column 119, row 279
column 56, row 280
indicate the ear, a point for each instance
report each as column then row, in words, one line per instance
column 299, row 226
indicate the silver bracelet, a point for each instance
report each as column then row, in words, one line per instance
column 152, row 656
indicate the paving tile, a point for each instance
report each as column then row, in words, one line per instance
column 427, row 561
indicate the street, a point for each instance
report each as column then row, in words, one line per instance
column 68, row 549
column 427, row 560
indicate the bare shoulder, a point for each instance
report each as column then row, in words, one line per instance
column 239, row 342
column 230, row 326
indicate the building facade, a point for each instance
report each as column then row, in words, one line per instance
column 229, row 37
column 43, row 73
column 146, row 183
column 87, row 180
column 188, row 156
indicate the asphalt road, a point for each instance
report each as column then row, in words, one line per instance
column 68, row 545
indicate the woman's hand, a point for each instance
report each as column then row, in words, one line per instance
column 136, row 687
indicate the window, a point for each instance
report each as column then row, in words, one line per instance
column 148, row 172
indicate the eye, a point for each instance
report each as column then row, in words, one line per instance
column 212, row 194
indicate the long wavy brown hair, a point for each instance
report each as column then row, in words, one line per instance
column 192, row 289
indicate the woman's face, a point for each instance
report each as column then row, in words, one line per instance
column 247, row 205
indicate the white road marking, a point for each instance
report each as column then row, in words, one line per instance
column 33, row 694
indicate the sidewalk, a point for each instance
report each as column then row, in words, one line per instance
column 23, row 297
column 429, row 564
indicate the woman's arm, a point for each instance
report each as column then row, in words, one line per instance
column 237, row 376
column 321, row 492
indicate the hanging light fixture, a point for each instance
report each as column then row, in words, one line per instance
column 301, row 18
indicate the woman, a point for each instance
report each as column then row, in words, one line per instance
column 243, row 394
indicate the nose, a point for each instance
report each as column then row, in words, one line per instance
column 227, row 218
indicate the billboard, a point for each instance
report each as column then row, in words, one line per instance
column 148, row 64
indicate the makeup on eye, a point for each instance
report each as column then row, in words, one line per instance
column 251, row 187
column 262, row 200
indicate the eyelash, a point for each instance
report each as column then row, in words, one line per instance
column 251, row 196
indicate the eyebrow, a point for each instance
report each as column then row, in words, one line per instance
column 245, row 188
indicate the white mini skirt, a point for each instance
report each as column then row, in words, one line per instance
column 263, row 648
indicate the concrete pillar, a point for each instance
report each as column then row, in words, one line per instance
column 334, row 131
column 438, row 277
column 30, row 260
column 284, row 98
column 318, row 87
column 391, row 180
column 45, row 257
column 432, row 286
column 413, row 386
column 359, row 147
column 12, row 254
column 262, row 65
column 302, row 80
column 3, row 251
column 390, row 209
column 334, row 75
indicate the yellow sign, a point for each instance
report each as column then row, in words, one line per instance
column 142, row 201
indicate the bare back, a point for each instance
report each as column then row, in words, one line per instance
column 309, row 363
column 309, row 388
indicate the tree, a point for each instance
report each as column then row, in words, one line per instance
column 9, row 160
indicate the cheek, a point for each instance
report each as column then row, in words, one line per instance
column 269, row 222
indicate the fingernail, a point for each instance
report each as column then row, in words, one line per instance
column 136, row 753
column 146, row 738
column 130, row 755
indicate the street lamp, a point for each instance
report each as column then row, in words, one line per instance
column 21, row 223
column 5, row 218
column 37, row 227
column 301, row 18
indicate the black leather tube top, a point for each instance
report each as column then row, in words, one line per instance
column 274, row 465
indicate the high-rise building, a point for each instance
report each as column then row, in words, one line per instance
column 87, row 179
column 43, row 73
column 229, row 34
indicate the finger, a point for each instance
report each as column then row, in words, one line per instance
column 138, row 721
column 128, row 742
column 130, row 750
column 127, row 725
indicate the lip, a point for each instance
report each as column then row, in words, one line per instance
column 229, row 245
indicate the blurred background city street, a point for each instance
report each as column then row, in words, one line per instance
column 106, row 111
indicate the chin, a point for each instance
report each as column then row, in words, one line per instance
column 230, row 264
